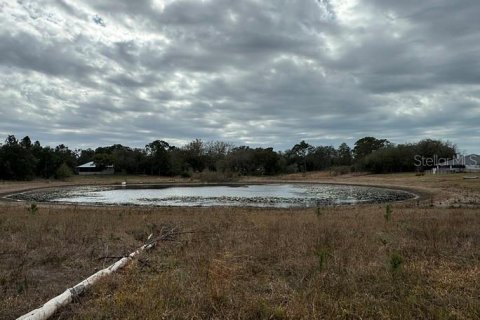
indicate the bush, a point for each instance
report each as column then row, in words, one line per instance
column 33, row 209
column 63, row 172
column 185, row 174
column 395, row 262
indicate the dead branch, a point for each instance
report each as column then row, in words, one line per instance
column 53, row 305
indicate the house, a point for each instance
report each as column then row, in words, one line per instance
column 470, row 163
column 90, row 168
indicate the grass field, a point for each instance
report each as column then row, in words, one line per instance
column 340, row 263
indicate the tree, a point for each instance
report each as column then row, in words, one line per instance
column 124, row 159
column 11, row 140
column 240, row 160
column 16, row 161
column 367, row 145
column 158, row 157
column 195, row 155
column 85, row 156
column 429, row 148
column 26, row 143
column 321, row 158
column 215, row 154
column 46, row 161
column 103, row 160
column 20, row 159
column 63, row 172
column 344, row 155
column 403, row 157
column 301, row 150
column 266, row 161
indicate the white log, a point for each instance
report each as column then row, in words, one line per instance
column 49, row 308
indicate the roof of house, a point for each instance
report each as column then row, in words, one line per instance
column 470, row 160
column 91, row 164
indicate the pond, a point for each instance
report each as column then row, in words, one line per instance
column 253, row 195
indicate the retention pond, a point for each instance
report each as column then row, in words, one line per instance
column 254, row 195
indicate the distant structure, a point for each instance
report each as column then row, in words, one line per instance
column 90, row 168
column 470, row 163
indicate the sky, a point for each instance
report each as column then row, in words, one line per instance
column 91, row 73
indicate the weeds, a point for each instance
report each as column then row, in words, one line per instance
column 395, row 262
column 250, row 263
column 281, row 257
column 388, row 212
column 265, row 311
column 322, row 257
column 33, row 209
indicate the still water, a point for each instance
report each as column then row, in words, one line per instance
column 265, row 195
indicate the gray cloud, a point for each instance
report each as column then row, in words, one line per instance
column 89, row 73
column 25, row 51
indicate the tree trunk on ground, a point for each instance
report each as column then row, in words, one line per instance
column 53, row 305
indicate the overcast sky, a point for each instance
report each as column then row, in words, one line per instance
column 262, row 73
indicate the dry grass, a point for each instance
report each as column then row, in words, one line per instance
column 342, row 263
column 12, row 186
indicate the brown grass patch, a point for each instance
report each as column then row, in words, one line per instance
column 249, row 263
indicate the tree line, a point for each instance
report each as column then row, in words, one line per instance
column 24, row 159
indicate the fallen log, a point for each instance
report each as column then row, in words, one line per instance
column 53, row 305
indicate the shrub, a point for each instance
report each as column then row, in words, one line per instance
column 33, row 209
column 185, row 174
column 395, row 262
column 388, row 212
column 322, row 255
column 63, row 172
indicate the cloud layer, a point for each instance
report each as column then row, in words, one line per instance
column 89, row 73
